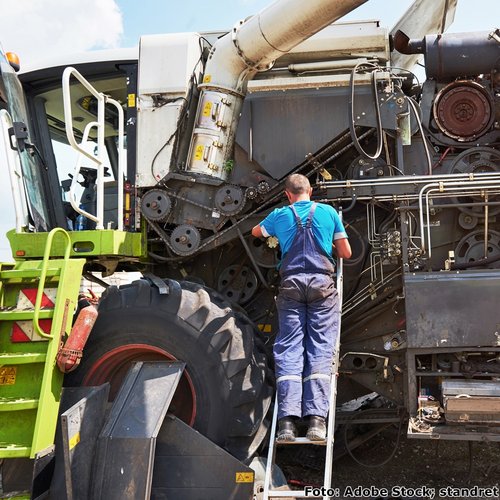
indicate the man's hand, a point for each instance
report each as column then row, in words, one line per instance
column 257, row 231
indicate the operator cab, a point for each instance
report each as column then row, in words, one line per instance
column 113, row 74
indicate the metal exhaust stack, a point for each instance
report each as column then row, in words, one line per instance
column 250, row 47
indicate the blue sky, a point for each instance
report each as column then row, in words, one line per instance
column 159, row 16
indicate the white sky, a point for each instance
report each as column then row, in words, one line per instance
column 42, row 29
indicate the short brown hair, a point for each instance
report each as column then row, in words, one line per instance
column 297, row 184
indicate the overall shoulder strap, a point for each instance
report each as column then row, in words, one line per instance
column 296, row 215
column 311, row 215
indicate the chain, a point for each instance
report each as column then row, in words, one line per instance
column 311, row 160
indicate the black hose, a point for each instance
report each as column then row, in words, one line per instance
column 351, row 205
column 355, row 140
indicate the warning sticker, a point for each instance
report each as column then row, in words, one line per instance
column 244, row 477
column 198, row 152
column 207, row 109
column 207, row 78
column 8, row 375
column 74, row 440
column 131, row 100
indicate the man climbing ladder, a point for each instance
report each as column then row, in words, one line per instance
column 308, row 307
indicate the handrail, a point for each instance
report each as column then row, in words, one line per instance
column 102, row 100
column 76, row 173
column 43, row 276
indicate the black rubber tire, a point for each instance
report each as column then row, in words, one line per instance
column 224, row 358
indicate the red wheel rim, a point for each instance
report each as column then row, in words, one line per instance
column 113, row 366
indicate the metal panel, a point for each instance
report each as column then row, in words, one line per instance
column 126, row 445
column 278, row 129
column 189, row 466
column 453, row 309
column 73, row 462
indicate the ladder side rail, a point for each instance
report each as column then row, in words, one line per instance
column 271, row 451
column 333, row 389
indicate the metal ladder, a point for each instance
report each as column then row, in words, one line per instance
column 32, row 325
column 328, row 442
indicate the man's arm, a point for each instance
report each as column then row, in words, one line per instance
column 342, row 248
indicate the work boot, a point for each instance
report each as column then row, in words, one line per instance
column 316, row 430
column 286, row 429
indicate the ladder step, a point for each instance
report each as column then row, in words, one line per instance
column 25, row 274
column 16, row 315
column 21, row 358
column 302, row 440
column 8, row 450
column 292, row 494
column 18, row 404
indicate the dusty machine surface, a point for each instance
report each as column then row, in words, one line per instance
column 190, row 150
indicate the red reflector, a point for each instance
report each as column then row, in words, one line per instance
column 20, row 253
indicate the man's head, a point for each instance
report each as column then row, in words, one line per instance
column 297, row 187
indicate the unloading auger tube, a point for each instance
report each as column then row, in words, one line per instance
column 251, row 46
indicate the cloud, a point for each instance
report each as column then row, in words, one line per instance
column 41, row 29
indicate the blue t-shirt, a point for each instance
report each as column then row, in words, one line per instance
column 326, row 225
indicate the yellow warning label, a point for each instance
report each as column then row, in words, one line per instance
column 74, row 440
column 325, row 174
column 131, row 100
column 266, row 328
column 198, row 152
column 244, row 477
column 207, row 78
column 207, row 109
column 8, row 375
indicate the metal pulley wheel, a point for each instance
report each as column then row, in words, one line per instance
column 237, row 283
column 467, row 221
column 471, row 247
column 264, row 255
column 476, row 161
column 229, row 200
column 156, row 205
column 464, row 110
column 251, row 193
column 363, row 168
column 185, row 239
column 263, row 187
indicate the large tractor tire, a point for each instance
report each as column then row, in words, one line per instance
column 226, row 390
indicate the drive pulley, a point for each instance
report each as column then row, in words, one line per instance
column 229, row 200
column 185, row 239
column 156, row 205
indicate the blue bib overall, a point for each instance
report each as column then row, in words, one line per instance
column 308, row 316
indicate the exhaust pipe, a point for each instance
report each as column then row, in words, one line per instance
column 453, row 54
